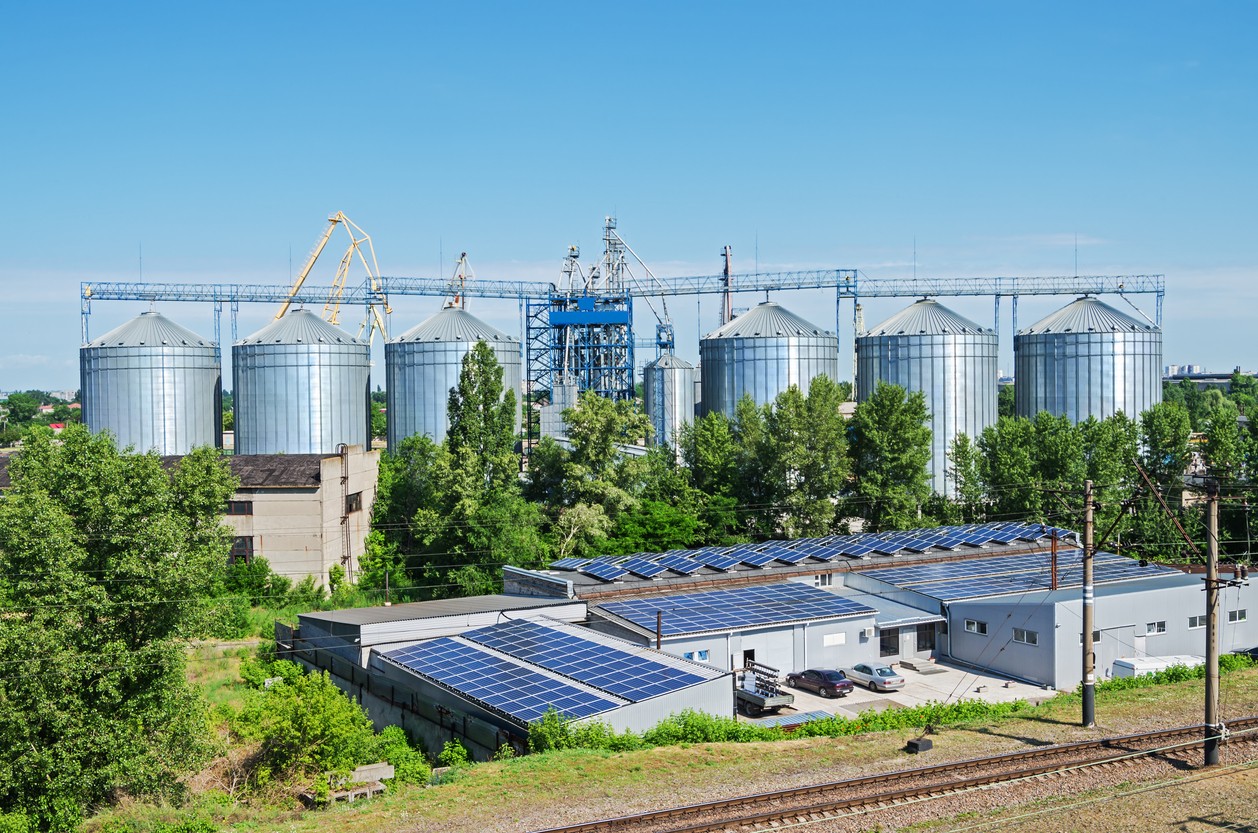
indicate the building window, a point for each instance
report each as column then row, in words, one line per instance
column 1236, row 615
column 240, row 507
column 1155, row 627
column 242, row 549
column 1196, row 621
column 1096, row 637
column 926, row 637
column 1026, row 637
column 975, row 626
column 823, row 580
column 696, row 656
column 354, row 502
column 888, row 642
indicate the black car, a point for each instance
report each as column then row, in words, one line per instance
column 826, row 683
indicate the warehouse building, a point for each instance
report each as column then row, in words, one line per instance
column 481, row 669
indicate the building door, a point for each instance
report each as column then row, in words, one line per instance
column 889, row 642
column 749, row 655
column 926, row 638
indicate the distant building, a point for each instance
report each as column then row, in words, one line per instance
column 1176, row 373
column 304, row 513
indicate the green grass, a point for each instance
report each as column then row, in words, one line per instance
column 522, row 793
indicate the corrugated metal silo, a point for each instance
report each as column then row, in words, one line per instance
column 950, row 359
column 669, row 397
column 424, row 363
column 1087, row 359
column 154, row 385
column 300, row 386
column 761, row 353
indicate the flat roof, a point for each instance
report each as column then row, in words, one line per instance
column 433, row 609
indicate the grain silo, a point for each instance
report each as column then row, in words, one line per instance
column 669, row 397
column 929, row 348
column 1087, row 360
column 154, row 385
column 762, row 353
column 424, row 363
column 301, row 386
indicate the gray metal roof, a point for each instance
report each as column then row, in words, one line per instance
column 767, row 320
column 668, row 360
column 1087, row 315
column 926, row 317
column 434, row 609
column 300, row 326
column 453, row 324
column 150, row 329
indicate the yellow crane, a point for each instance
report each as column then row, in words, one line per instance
column 358, row 241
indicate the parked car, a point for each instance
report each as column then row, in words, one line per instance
column 827, row 683
column 876, row 677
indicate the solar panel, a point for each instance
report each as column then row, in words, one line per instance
column 681, row 564
column 755, row 559
column 642, row 567
column 570, row 563
column 632, row 676
column 603, row 570
column 730, row 609
column 499, row 682
column 787, row 556
column 719, row 561
column 858, row 549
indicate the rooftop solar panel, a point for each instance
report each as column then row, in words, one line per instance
column 642, row 567
column 719, row 610
column 719, row 561
column 604, row 570
column 498, row 682
column 570, row 563
column 681, row 564
column 632, row 676
column 755, row 559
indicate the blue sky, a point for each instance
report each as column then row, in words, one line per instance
column 217, row 138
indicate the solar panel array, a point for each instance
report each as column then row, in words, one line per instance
column 631, row 676
column 720, row 610
column 974, row 578
column 499, row 682
column 967, row 538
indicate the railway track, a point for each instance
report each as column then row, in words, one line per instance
column 853, row 796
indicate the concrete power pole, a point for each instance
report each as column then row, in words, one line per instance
column 1089, row 647
column 1213, row 729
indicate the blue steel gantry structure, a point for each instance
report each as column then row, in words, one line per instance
column 581, row 332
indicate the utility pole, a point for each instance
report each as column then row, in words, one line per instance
column 1213, row 729
column 1089, row 647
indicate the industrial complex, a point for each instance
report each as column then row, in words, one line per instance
column 629, row 640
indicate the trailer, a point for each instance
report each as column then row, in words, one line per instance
column 760, row 692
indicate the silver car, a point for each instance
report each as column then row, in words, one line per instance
column 875, row 677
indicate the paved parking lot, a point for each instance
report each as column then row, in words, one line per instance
column 944, row 683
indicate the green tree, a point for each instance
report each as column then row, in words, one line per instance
column 890, row 449
column 1058, row 452
column 964, row 470
column 1006, row 401
column 805, row 458
column 106, row 560
column 1007, row 468
column 709, row 451
column 22, row 407
column 1225, row 446
column 469, row 517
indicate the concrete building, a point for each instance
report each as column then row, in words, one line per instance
column 304, row 513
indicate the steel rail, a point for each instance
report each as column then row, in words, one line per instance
column 1192, row 736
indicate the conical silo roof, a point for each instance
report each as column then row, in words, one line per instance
column 926, row 317
column 300, row 326
column 1087, row 315
column 150, row 329
column 767, row 320
column 671, row 361
column 452, row 324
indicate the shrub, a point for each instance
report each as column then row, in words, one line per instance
column 454, row 754
column 409, row 764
